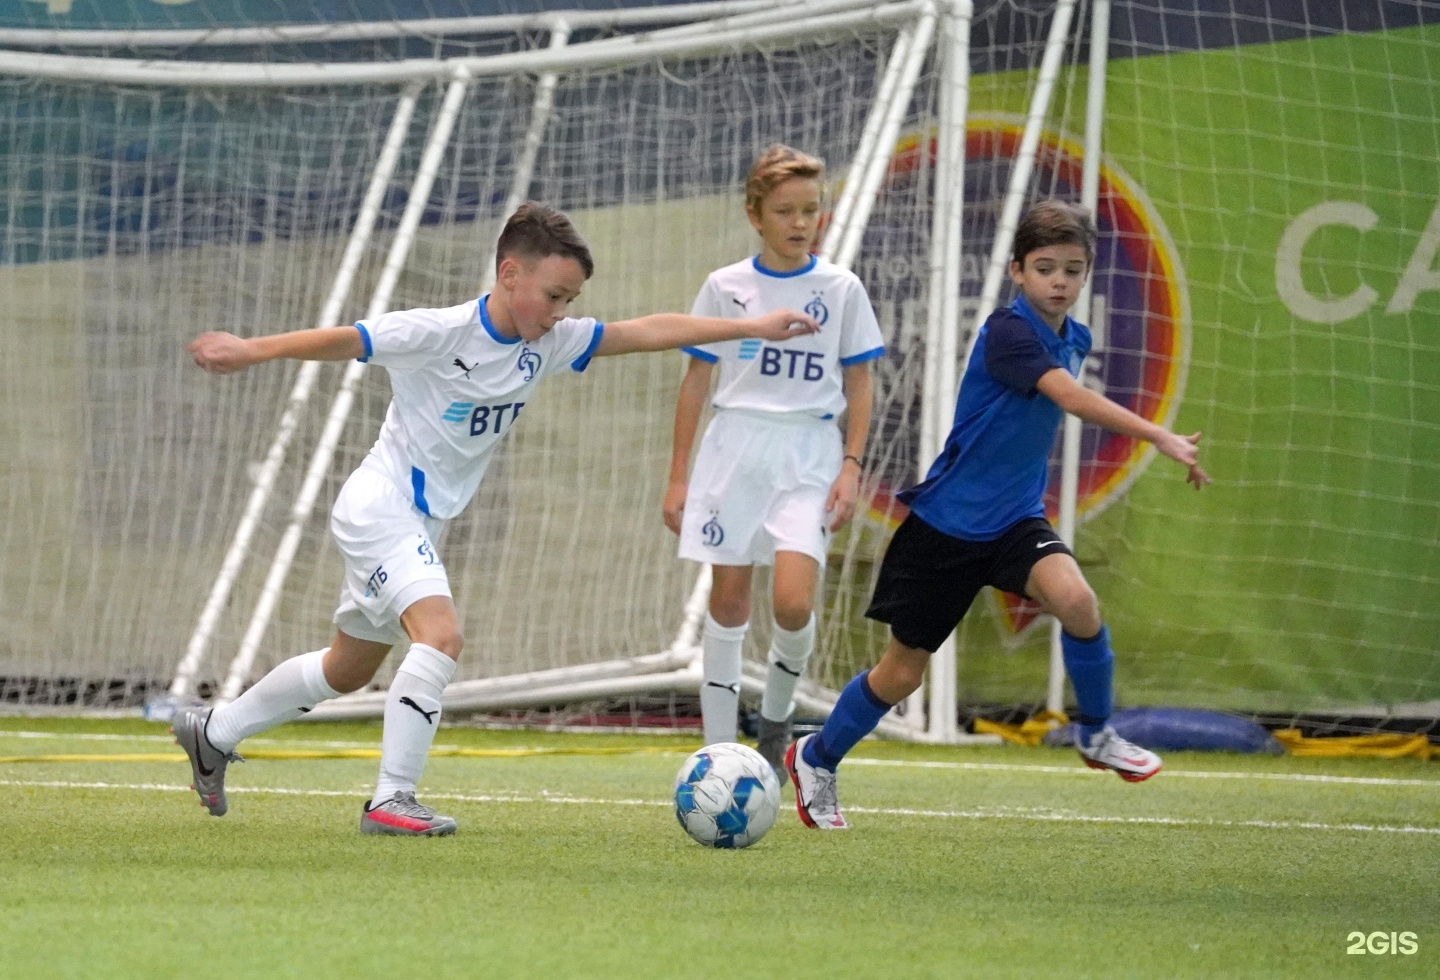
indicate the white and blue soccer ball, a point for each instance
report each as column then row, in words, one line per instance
column 726, row 795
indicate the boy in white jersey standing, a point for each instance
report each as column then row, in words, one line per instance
column 979, row 516
column 460, row 378
column 772, row 479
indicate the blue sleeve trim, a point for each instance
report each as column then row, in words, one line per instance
column 699, row 354
column 365, row 339
column 862, row 357
column 583, row 361
column 417, row 483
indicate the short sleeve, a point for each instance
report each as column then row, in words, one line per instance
column 707, row 303
column 860, row 338
column 1014, row 356
column 574, row 344
column 405, row 339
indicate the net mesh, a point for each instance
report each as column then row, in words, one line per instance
column 1266, row 272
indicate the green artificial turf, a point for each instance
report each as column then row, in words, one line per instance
column 996, row 862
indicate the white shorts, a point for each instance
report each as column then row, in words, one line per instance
column 759, row 486
column 389, row 553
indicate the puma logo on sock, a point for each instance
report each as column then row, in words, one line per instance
column 429, row 720
column 732, row 688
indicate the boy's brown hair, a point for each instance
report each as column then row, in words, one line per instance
column 1055, row 223
column 537, row 231
column 776, row 164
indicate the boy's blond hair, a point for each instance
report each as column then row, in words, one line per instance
column 776, row 164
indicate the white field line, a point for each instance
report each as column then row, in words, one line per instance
column 999, row 813
column 1165, row 773
column 897, row 763
column 1076, row 770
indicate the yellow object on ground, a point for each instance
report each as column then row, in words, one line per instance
column 1379, row 746
column 439, row 750
column 1030, row 732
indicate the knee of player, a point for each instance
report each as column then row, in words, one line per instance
column 1079, row 611
column 793, row 614
column 730, row 610
column 349, row 680
column 448, row 641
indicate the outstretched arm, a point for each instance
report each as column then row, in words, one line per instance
column 224, row 353
column 687, row 419
column 664, row 331
column 1073, row 397
column 859, row 402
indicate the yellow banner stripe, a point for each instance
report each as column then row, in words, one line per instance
column 295, row 754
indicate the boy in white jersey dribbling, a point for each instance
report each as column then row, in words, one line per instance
column 460, row 378
column 772, row 479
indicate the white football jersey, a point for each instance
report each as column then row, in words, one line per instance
column 800, row 375
column 458, row 388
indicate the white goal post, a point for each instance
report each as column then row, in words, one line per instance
column 1266, row 273
column 843, row 78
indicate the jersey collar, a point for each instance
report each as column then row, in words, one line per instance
column 490, row 327
column 755, row 261
column 1022, row 306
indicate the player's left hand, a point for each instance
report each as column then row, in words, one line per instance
column 220, row 353
column 1185, row 451
column 784, row 325
column 843, row 494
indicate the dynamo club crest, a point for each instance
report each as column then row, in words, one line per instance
column 529, row 363
column 817, row 308
column 712, row 532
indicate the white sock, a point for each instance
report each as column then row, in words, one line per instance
column 412, row 713
column 789, row 653
column 284, row 694
column 720, row 693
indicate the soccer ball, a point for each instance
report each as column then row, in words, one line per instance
column 726, row 795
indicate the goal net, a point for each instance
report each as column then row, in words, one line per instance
column 1267, row 271
column 142, row 213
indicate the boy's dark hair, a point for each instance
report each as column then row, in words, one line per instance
column 1055, row 223
column 537, row 231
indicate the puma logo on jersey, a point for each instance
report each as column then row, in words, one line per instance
column 461, row 365
column 429, row 715
column 743, row 304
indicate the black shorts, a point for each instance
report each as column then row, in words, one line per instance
column 929, row 579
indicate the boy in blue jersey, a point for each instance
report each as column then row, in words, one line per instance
column 979, row 517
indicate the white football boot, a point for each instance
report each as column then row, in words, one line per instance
column 1107, row 750
column 815, row 794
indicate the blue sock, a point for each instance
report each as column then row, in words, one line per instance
column 1091, row 666
column 855, row 715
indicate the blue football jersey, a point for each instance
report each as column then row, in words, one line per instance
column 992, row 471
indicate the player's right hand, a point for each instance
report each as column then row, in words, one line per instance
column 674, row 506
column 784, row 325
column 220, row 353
